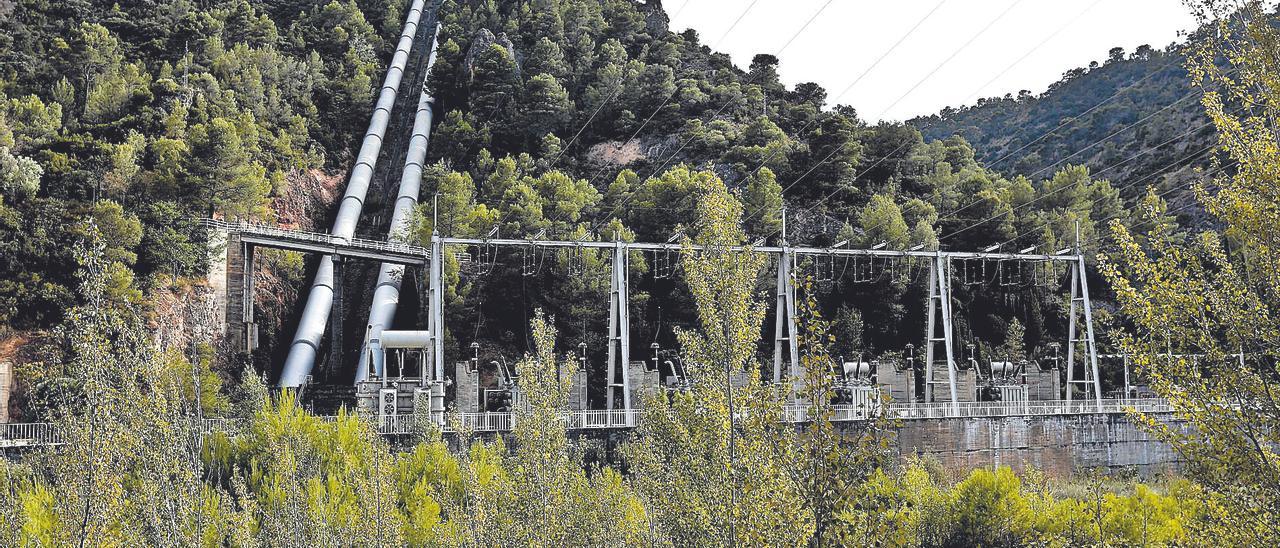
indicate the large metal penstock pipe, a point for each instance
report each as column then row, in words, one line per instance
column 386, row 294
column 315, row 316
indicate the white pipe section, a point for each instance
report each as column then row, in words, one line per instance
column 315, row 316
column 404, row 339
column 386, row 294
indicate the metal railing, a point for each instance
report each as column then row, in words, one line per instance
column 599, row 418
column 28, row 434
column 323, row 238
column 44, row 434
column 948, row 410
column 394, row 425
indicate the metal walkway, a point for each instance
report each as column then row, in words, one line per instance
column 323, row 243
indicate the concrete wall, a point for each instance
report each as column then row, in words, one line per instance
column 1056, row 445
column 899, row 384
column 1043, row 384
column 578, row 391
column 642, row 380
column 6, row 387
column 466, row 388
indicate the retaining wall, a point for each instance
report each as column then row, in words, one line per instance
column 1058, row 445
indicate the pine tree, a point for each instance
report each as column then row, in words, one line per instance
column 495, row 88
column 547, row 106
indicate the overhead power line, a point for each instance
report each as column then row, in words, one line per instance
column 1058, row 190
column 931, row 73
column 731, row 100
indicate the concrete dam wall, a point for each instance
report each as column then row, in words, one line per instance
column 1057, row 445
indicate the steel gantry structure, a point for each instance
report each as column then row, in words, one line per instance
column 940, row 356
column 786, row 352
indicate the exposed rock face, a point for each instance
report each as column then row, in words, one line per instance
column 185, row 317
column 481, row 43
column 655, row 18
column 616, row 153
column 307, row 199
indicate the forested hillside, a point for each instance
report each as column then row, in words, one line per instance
column 573, row 117
column 1133, row 118
column 123, row 125
column 580, row 118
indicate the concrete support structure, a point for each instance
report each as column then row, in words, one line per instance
column 1043, row 383
column 642, row 380
column 226, row 279
column 619, row 365
column 896, row 380
column 247, row 316
column 336, row 313
column 578, row 392
column 466, row 383
column 940, row 316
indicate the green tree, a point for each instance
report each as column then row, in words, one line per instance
column 546, row 58
column 1215, row 296
column 495, row 87
column 547, row 107
column 721, row 474
column 763, row 201
column 226, row 176
column 988, row 509
column 19, row 175
column 828, row 464
column 1014, row 348
column 882, row 222
column 32, row 122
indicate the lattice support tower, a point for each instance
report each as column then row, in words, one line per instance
column 1080, row 303
column 784, row 325
column 939, row 315
column 619, row 330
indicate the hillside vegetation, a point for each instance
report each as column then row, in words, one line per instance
column 1133, row 118
column 146, row 116
column 590, row 119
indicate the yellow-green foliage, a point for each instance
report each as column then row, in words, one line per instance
column 705, row 467
column 1203, row 313
column 717, row 462
column 996, row 507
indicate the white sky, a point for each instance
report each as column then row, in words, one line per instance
column 847, row 38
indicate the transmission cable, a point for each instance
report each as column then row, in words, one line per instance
column 1193, row 93
column 931, row 73
column 1060, row 189
column 1096, row 201
column 850, row 87
column 730, row 101
column 560, row 155
column 1071, row 120
column 675, row 90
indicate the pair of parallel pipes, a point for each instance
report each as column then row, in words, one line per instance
column 315, row 316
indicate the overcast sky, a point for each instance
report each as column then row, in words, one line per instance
column 1019, row 44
